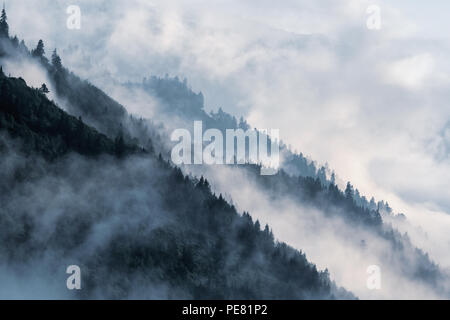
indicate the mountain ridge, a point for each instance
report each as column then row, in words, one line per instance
column 279, row 272
column 317, row 189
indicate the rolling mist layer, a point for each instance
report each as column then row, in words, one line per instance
column 325, row 233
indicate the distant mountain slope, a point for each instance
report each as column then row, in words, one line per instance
column 300, row 180
column 307, row 186
column 136, row 226
column 310, row 186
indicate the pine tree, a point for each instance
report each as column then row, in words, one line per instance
column 39, row 51
column 357, row 197
column 372, row 204
column 268, row 233
column 56, row 60
column 322, row 175
column 4, row 28
column 349, row 193
column 333, row 178
column 44, row 88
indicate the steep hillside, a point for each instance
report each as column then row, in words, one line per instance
column 45, row 128
column 135, row 225
column 299, row 180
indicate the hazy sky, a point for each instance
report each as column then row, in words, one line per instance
column 371, row 103
column 431, row 17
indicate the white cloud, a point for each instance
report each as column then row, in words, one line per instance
column 411, row 72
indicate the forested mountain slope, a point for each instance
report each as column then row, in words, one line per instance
column 45, row 128
column 134, row 224
column 302, row 182
column 305, row 184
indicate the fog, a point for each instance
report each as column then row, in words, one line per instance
column 371, row 104
column 73, row 212
column 330, row 242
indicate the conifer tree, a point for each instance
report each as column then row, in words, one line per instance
column 333, row 178
column 56, row 60
column 39, row 51
column 44, row 88
column 349, row 193
column 4, row 28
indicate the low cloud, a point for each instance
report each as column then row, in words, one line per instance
column 372, row 104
